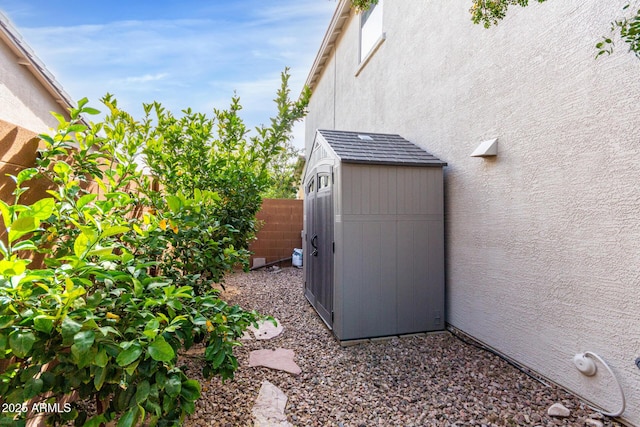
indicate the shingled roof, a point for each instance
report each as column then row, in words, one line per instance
column 377, row 148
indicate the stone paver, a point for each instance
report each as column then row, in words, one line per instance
column 266, row 329
column 268, row 411
column 280, row 359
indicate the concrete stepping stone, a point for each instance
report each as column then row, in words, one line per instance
column 268, row 411
column 266, row 329
column 280, row 359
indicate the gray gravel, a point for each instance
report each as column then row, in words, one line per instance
column 426, row 380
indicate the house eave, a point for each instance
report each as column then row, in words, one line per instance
column 340, row 17
column 27, row 58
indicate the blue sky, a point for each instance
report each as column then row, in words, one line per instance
column 187, row 53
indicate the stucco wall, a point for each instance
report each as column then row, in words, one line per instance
column 542, row 241
column 23, row 100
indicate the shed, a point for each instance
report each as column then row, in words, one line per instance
column 374, row 235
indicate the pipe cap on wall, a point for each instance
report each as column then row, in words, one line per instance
column 585, row 364
column 487, row 148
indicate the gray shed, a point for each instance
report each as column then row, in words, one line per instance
column 374, row 235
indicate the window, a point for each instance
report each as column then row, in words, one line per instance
column 323, row 181
column 311, row 186
column 370, row 30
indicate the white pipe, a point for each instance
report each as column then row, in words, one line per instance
column 609, row 414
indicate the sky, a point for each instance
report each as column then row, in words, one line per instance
column 182, row 53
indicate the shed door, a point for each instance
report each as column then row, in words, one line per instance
column 319, row 243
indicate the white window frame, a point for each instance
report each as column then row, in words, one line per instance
column 371, row 34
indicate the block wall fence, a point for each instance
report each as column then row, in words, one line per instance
column 280, row 231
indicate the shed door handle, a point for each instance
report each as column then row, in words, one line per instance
column 314, row 240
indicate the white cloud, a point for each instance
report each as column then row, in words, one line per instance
column 144, row 79
column 196, row 62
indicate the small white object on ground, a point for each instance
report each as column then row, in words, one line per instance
column 280, row 359
column 558, row 410
column 268, row 411
column 593, row 423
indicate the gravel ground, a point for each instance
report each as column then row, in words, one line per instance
column 426, row 380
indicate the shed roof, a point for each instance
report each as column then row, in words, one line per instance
column 377, row 148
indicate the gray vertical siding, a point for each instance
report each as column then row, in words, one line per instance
column 392, row 252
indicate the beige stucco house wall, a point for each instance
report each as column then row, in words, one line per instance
column 28, row 91
column 543, row 240
column 28, row 95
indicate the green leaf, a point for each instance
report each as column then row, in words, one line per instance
column 89, row 110
column 174, row 203
column 142, row 391
column 32, row 388
column 95, row 421
column 100, row 376
column 94, row 299
column 54, row 194
column 131, row 369
column 61, row 168
column 59, row 117
column 22, row 226
column 160, row 350
column 190, row 390
column 218, row 359
column 112, row 231
column 129, row 418
column 25, row 245
column 6, row 321
column 43, row 208
column 173, row 386
column 76, row 128
column 69, row 329
column 81, row 245
column 6, row 213
column 102, row 358
column 189, row 407
column 129, row 355
column 25, row 175
column 83, row 359
column 101, row 252
column 21, row 343
column 13, row 268
column 48, row 379
column 43, row 323
column 82, row 342
column 87, row 198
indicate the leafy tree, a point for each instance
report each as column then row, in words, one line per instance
column 285, row 174
column 125, row 285
column 490, row 12
column 215, row 175
column 629, row 29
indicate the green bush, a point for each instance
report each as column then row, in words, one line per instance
column 126, row 279
column 218, row 174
